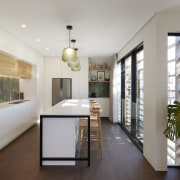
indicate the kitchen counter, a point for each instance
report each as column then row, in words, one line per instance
column 15, row 119
column 59, row 132
column 10, row 104
column 73, row 107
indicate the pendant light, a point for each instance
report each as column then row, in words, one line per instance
column 76, row 68
column 69, row 54
column 75, row 63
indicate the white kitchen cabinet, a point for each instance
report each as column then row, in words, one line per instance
column 56, row 68
column 15, row 119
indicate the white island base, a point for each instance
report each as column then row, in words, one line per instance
column 59, row 139
column 59, row 133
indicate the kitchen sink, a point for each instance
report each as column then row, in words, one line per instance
column 18, row 102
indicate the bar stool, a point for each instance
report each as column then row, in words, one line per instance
column 93, row 104
column 95, row 132
column 92, row 100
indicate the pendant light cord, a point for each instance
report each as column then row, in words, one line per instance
column 69, row 27
column 69, row 39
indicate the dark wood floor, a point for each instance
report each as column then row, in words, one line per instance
column 121, row 161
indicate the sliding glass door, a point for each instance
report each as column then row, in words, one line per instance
column 132, row 95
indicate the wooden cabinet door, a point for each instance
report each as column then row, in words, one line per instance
column 24, row 70
column 8, row 65
column 16, row 68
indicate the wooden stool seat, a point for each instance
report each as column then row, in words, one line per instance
column 84, row 124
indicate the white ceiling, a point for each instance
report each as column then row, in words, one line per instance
column 100, row 27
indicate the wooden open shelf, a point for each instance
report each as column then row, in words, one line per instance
column 99, row 69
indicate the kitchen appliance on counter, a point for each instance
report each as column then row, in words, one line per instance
column 61, row 89
column 93, row 94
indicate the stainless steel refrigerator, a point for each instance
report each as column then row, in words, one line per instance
column 61, row 89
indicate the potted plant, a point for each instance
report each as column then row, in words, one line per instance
column 172, row 130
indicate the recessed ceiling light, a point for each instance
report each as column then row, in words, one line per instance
column 23, row 25
column 37, row 40
column 47, row 48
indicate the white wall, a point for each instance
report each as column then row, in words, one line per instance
column 154, row 36
column 29, row 86
column 56, row 68
column 18, row 118
column 167, row 21
column 148, row 36
column 17, row 49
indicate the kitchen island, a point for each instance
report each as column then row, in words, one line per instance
column 59, row 132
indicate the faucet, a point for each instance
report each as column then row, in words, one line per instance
column 10, row 94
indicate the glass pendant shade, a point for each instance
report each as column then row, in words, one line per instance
column 76, row 68
column 69, row 54
column 75, row 63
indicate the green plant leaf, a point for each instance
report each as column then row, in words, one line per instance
column 172, row 130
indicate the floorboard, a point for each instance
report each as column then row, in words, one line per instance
column 122, row 160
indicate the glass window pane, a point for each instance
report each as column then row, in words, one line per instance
column 141, row 74
column 171, row 83
column 140, row 96
column 128, row 92
column 140, row 55
column 171, row 68
column 140, row 65
column 171, row 53
column 171, row 40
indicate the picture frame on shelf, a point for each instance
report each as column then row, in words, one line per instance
column 100, row 75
